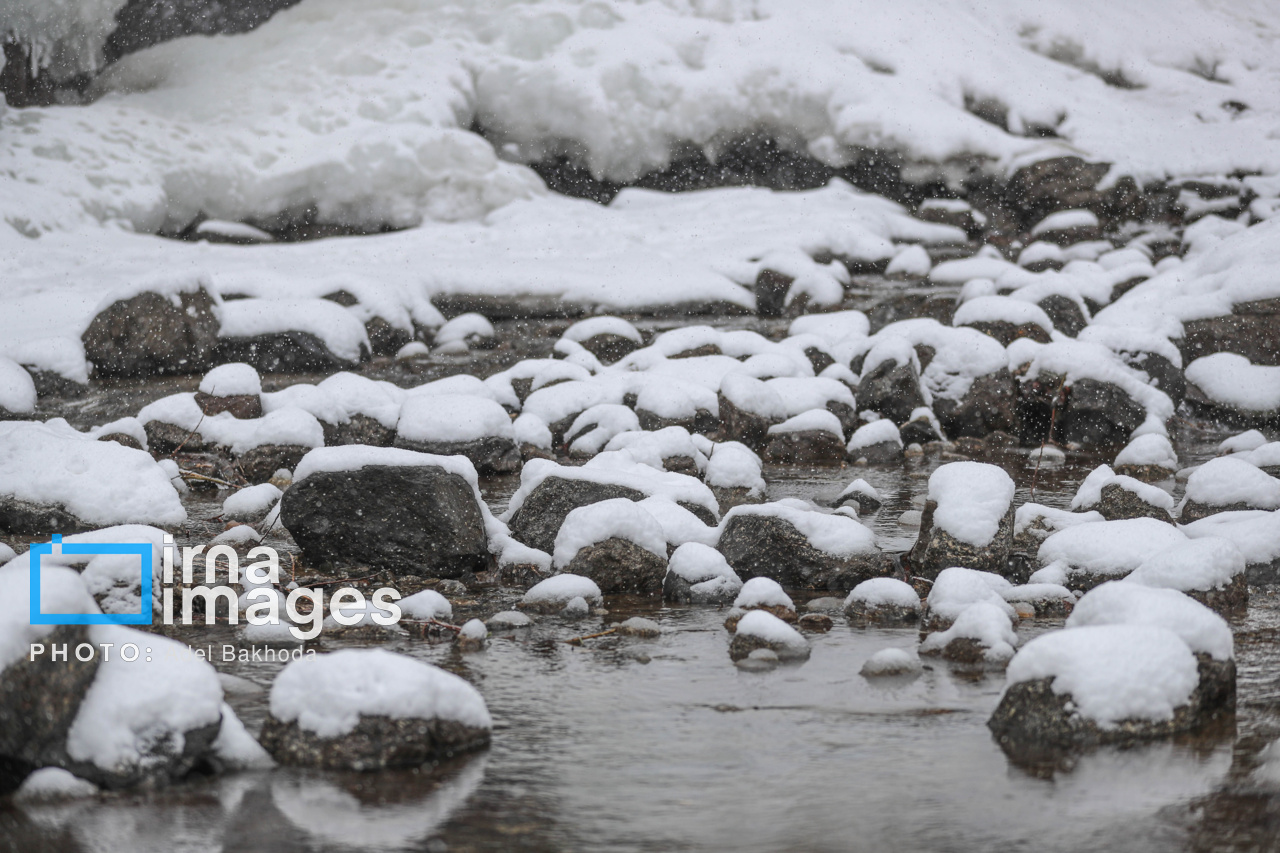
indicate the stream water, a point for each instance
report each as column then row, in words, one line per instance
column 664, row 745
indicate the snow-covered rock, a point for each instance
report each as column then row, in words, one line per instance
column 883, row 600
column 760, row 629
column 967, row 521
column 615, row 543
column 1255, row 532
column 555, row 593
column 957, row 588
column 1228, row 484
column 460, row 425
column 1149, row 457
column 370, row 709
column 17, row 390
column 877, row 442
column 699, row 574
column 1085, row 555
column 980, row 634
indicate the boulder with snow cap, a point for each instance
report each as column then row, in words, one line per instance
column 981, row 634
column 233, row 388
column 878, row 443
column 1255, row 532
column 762, row 594
column 1084, row 555
column 921, row 428
column 149, row 332
column 1005, row 319
column 760, row 629
column 549, row 492
column 1210, row 570
column 392, row 509
column 989, row 404
column 1228, row 484
column 1149, row 458
column 1251, row 330
column 615, row 543
column 890, row 380
column 460, row 425
column 17, row 391
column 291, row 335
column 1067, row 226
column 813, row 438
column 1116, row 497
column 967, row 520
column 956, row 588
column 699, row 574
column 370, row 709
column 799, row 547
column 883, row 601
column 861, row 494
column 748, row 408
column 1103, row 683
column 607, row 338
column 734, row 474
column 555, row 593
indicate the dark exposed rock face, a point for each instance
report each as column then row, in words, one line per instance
column 727, row 497
column 361, row 429
column 609, row 348
column 1032, row 720
column 416, row 520
column 539, row 518
column 812, row 447
column 1161, row 372
column 150, row 335
column 935, row 549
column 771, row 547
column 163, row 438
column 1146, row 473
column 741, row 646
column 1006, row 332
column 771, row 292
column 880, row 453
column 892, row 389
column 39, row 701
column 1194, row 510
column 1252, row 329
column 1230, row 600
column 1095, row 414
column 284, row 352
column 862, row 613
column 703, row 421
column 258, row 464
column 1059, row 183
column 243, row 406
column 740, row 425
column 865, row 503
column 376, row 743
column 142, row 23
column 25, row 518
column 990, row 404
column 1064, row 313
column 1117, row 503
column 620, row 566
column 163, row 761
column 491, row 455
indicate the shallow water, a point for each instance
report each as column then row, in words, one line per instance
column 658, row 745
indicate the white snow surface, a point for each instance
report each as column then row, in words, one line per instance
column 327, row 694
column 892, row 661
column 878, row 592
column 679, row 525
column 1109, row 547
column 816, row 420
column 17, row 390
column 251, row 503
column 1229, row 379
column 1230, row 480
column 61, row 591
column 617, row 518
column 1125, row 603
column 1089, row 494
column 957, row 588
column 452, row 418
column 1255, row 532
column 992, row 309
column 771, row 629
column 973, row 498
column 877, row 432
column 1112, row 672
column 1149, row 449
column 53, row 783
column 734, row 465
column 617, row 468
column 100, row 482
column 584, row 330
column 132, row 705
column 427, row 604
column 763, row 592
column 232, row 380
column 335, row 327
column 1245, row 441
column 710, row 575
column 563, row 588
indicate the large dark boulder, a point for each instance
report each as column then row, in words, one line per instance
column 539, row 518
column 419, row 520
column 936, row 549
column 770, row 546
column 990, row 404
column 1252, row 329
column 39, row 700
column 154, row 334
column 492, row 454
column 285, row 352
column 892, row 389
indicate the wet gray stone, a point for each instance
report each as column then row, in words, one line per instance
column 376, row 743
column 771, row 547
column 620, row 566
column 149, row 335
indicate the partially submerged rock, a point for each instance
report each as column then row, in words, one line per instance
column 760, row 629
column 370, row 709
column 967, row 520
column 883, row 601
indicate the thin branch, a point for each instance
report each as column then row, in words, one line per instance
column 189, row 435
column 1053, row 418
column 577, row 641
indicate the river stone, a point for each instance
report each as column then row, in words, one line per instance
column 1095, row 414
column 609, row 348
column 1057, row 183
column 1252, row 329
column 123, row 439
column 360, row 429
column 27, row 518
column 150, row 335
column 39, row 701
column 1006, row 332
column 811, row 447
column 1117, row 503
column 1065, row 314
column 163, row 761
column 539, row 518
column 377, row 743
column 1229, row 600
column 935, row 549
column 919, row 430
column 703, row 421
column 742, row 646
column 747, row 427
column 414, row 520
column 164, row 438
column 771, row 547
column 620, row 566
column 1146, row 473
column 259, row 464
column 863, row 612
column 491, row 454
column 965, row 650
column 1194, row 510
column 1161, row 372
column 284, row 352
column 1031, row 720
column 243, row 406
column 893, row 390
column 771, row 292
